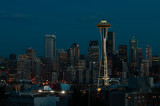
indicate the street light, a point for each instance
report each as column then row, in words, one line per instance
column 52, row 91
column 63, row 92
column 40, row 91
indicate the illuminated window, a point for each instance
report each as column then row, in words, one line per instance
column 154, row 97
column 129, row 97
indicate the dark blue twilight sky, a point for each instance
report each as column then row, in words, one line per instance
column 23, row 23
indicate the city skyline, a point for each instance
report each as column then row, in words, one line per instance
column 27, row 26
column 79, row 53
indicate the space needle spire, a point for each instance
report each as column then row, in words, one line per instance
column 103, row 70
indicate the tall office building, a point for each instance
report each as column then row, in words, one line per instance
column 74, row 54
column 140, row 56
column 23, row 66
column 70, row 57
column 117, row 67
column 94, row 52
column 62, row 65
column 46, row 69
column 29, row 67
column 149, row 55
column 93, row 59
column 133, row 54
column 58, row 51
column 110, row 44
column 12, row 63
column 50, row 47
column 37, row 69
column 12, row 56
column 122, row 66
column 110, row 48
column 80, row 68
column 122, row 53
column 145, row 68
column 31, row 55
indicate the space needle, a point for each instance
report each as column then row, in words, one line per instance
column 103, row 70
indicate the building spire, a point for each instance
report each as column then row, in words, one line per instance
column 103, row 16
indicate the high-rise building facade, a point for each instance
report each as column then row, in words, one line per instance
column 93, row 59
column 31, row 55
column 122, row 53
column 50, row 47
column 12, row 63
column 140, row 56
column 94, row 52
column 23, row 66
column 80, row 68
column 110, row 48
column 110, row 43
column 133, row 54
column 62, row 65
column 37, row 69
column 149, row 55
column 46, row 69
column 74, row 54
column 145, row 68
column 70, row 57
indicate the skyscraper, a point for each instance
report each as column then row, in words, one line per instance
column 12, row 64
column 70, row 57
column 110, row 48
column 50, row 47
column 145, row 68
column 140, row 56
column 74, row 54
column 62, row 64
column 122, row 53
column 149, row 55
column 110, row 44
column 93, row 57
column 23, row 67
column 93, row 52
column 103, row 26
column 80, row 67
column 31, row 53
column 133, row 54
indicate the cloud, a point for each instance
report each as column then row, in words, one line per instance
column 16, row 17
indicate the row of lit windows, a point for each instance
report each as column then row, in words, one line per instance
column 139, row 97
column 154, row 97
